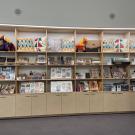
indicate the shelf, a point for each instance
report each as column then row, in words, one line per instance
column 108, row 65
column 86, row 79
column 89, row 65
column 76, row 102
column 115, row 52
column 30, row 94
column 7, row 80
column 115, row 78
column 9, row 65
column 60, row 79
column 22, row 64
column 60, row 52
column 114, row 65
column 88, row 52
column 35, row 80
column 29, row 52
column 7, row 51
column 61, row 65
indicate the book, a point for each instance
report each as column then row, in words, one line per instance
column 82, row 86
column 118, row 72
column 115, row 45
column 107, row 72
column 54, row 45
column 93, row 85
column 41, row 59
column 61, row 73
column 60, row 60
column 7, row 88
column 95, row 72
column 61, row 86
column 7, row 73
column 40, row 44
column 31, row 87
column 80, row 75
column 61, row 45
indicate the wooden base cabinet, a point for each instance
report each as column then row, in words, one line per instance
column 7, row 106
column 23, row 105
column 82, row 102
column 53, row 103
column 68, row 103
column 96, row 102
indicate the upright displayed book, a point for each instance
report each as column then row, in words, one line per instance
column 61, row 86
column 32, row 87
column 7, row 73
column 61, row 45
column 59, row 73
column 82, row 86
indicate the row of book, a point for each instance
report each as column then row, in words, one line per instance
column 116, row 87
column 115, row 72
column 32, row 87
column 6, row 89
column 83, row 86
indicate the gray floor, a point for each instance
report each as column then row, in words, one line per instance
column 116, row 124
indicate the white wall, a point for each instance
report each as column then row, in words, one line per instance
column 92, row 13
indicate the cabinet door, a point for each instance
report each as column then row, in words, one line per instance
column 132, row 101
column 82, row 102
column 38, row 104
column 7, row 106
column 53, row 103
column 96, row 102
column 123, row 102
column 68, row 103
column 23, row 105
column 110, row 102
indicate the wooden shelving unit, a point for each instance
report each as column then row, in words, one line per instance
column 73, row 102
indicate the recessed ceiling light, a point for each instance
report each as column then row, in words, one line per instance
column 18, row 11
column 112, row 15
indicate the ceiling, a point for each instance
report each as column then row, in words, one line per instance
column 91, row 13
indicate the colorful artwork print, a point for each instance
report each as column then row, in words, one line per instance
column 40, row 44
